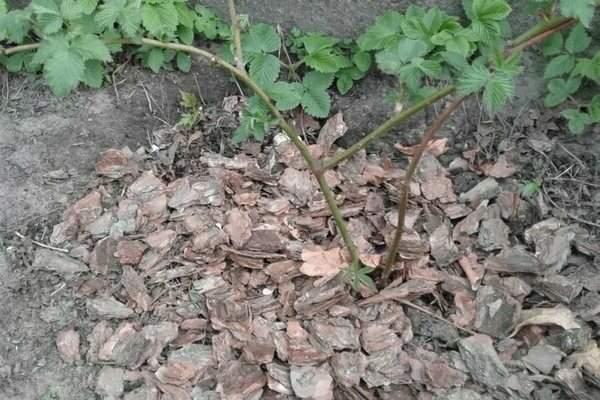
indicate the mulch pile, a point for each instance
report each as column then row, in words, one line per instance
column 221, row 283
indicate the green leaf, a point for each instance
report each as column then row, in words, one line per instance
column 577, row 120
column 3, row 7
column 323, row 61
column 316, row 102
column 362, row 60
column 594, row 109
column 456, row 60
column 71, row 9
column 185, row 15
column 589, row 68
column 156, row 59
column 473, row 79
column 559, row 65
column 90, row 46
column 93, row 75
column 393, row 58
column 264, row 68
column 88, row 6
column 532, row 187
column 494, row 10
column 119, row 11
column 63, row 71
column 487, row 30
column 15, row 25
column 50, row 23
column 553, row 45
column 14, row 63
column 578, row 40
column 45, row 7
column 287, row 96
column 385, row 32
column 583, row 10
column 49, row 47
column 559, row 90
column 344, row 83
column 317, row 80
column 411, row 76
column 497, row 92
column 430, row 68
column 160, row 19
column 188, row 100
column 260, row 39
column 184, row 61
column 185, row 34
column 315, row 42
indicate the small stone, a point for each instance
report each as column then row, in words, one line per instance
column 67, row 342
column 110, row 383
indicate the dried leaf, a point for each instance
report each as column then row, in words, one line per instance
column 435, row 147
column 500, row 169
column 320, row 262
column 559, row 315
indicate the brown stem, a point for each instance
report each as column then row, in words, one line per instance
column 391, row 256
column 539, row 37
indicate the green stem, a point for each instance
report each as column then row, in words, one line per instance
column 295, row 65
column 387, row 126
column 235, row 33
column 339, row 219
column 540, row 27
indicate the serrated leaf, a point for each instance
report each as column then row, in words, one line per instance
column 560, row 65
column 487, row 30
column 532, row 188
column 431, row 68
column 497, row 92
column 260, row 39
column 456, row 60
column 185, row 15
column 156, row 59
column 385, row 32
column 49, row 47
column 589, row 68
column 15, row 25
column 559, row 90
column 88, row 6
column 160, row 19
column 392, row 59
column 553, row 45
column 63, row 71
column 93, row 75
column 71, row 9
column 185, row 34
column 411, row 76
column 594, row 109
column 316, row 102
column 323, row 61
column 578, row 40
column 264, row 68
column 315, row 42
column 344, row 83
column 577, row 120
column 184, row 61
column 119, row 11
column 494, row 10
column 50, row 23
column 317, row 80
column 45, row 7
column 474, row 78
column 583, row 10
column 90, row 46
column 287, row 96
column 362, row 60
column 14, row 63
column 188, row 100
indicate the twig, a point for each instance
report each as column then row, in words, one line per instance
column 432, row 315
column 581, row 163
column 391, row 256
column 41, row 244
column 576, row 218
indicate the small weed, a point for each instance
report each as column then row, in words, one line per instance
column 192, row 112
